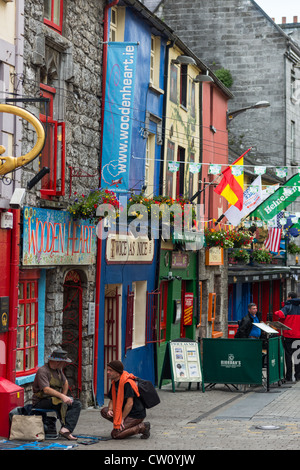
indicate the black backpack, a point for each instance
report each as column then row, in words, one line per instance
column 148, row 394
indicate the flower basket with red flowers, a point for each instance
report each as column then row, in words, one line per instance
column 85, row 206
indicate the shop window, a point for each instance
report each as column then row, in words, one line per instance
column 27, row 327
column 139, row 313
column 53, row 14
column 136, row 315
column 53, row 154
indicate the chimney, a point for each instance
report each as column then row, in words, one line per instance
column 284, row 20
column 295, row 19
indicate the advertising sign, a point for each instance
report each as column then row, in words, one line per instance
column 52, row 237
column 118, row 111
column 182, row 363
column 188, row 309
column 279, row 200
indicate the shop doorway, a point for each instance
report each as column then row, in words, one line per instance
column 112, row 327
column 72, row 330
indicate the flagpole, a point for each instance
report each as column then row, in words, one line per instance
column 201, row 190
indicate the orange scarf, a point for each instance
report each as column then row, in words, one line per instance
column 118, row 399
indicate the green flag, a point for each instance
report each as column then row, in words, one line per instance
column 279, row 200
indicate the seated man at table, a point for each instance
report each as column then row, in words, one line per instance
column 50, row 388
column 247, row 328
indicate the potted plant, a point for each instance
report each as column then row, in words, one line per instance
column 218, row 238
column 241, row 255
column 293, row 249
column 261, row 256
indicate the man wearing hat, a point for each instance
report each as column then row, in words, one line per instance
column 50, row 389
column 125, row 409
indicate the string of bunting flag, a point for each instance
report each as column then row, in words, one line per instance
column 237, row 170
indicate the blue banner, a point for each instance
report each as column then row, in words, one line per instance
column 118, row 110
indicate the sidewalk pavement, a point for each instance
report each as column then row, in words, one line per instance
column 221, row 418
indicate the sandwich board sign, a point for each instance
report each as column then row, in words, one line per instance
column 182, row 363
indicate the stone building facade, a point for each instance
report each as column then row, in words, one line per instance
column 239, row 36
column 63, row 62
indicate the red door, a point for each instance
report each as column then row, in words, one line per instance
column 111, row 329
column 5, row 254
column 72, row 331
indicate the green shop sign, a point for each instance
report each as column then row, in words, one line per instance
column 283, row 197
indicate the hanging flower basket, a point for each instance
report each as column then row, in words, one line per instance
column 85, row 206
column 217, row 238
column 241, row 239
column 187, row 209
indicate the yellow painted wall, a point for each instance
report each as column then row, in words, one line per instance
column 7, row 21
column 182, row 129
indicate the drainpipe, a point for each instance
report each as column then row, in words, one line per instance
column 99, row 241
column 13, row 295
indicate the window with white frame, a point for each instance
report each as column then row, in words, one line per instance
column 149, row 164
column 117, row 24
column 139, row 313
column 155, row 61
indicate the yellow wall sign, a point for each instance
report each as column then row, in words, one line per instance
column 8, row 164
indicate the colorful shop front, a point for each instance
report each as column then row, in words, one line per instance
column 266, row 286
column 179, row 294
column 126, row 307
column 55, row 294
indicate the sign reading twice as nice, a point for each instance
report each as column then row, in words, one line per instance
column 52, row 237
column 128, row 249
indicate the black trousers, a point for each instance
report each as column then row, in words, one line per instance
column 72, row 413
column 291, row 347
column 132, row 426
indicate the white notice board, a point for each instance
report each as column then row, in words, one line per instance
column 185, row 361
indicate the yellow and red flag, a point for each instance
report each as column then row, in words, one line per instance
column 231, row 186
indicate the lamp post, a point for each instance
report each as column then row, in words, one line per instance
column 233, row 114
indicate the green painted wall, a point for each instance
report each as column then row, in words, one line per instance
column 188, row 274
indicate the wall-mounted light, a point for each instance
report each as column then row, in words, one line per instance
column 202, row 78
column 259, row 104
column 184, row 60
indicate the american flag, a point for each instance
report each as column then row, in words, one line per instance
column 272, row 242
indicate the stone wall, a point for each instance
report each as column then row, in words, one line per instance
column 72, row 63
column 239, row 37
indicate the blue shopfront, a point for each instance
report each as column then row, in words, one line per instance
column 128, row 274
